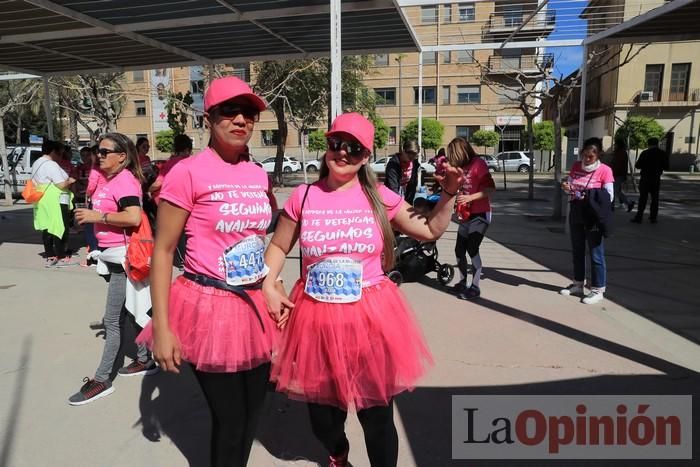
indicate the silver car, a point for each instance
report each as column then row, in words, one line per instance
column 514, row 161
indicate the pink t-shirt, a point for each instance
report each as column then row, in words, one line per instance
column 477, row 178
column 227, row 203
column 341, row 223
column 95, row 180
column 580, row 180
column 106, row 199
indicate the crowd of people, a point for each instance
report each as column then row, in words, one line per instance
column 343, row 337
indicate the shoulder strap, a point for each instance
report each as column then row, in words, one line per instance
column 301, row 210
column 37, row 169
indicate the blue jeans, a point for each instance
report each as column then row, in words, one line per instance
column 579, row 237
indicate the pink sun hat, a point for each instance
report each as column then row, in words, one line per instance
column 223, row 89
column 355, row 125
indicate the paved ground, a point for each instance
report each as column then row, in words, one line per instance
column 520, row 338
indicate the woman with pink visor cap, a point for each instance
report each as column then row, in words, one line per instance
column 351, row 339
column 214, row 315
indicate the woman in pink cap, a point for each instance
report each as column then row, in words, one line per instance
column 352, row 340
column 214, row 315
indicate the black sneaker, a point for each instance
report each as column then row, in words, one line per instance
column 469, row 294
column 137, row 368
column 459, row 287
column 91, row 390
column 630, row 206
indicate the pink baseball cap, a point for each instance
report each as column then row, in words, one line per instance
column 355, row 125
column 223, row 89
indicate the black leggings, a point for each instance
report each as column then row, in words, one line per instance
column 56, row 246
column 381, row 439
column 235, row 401
column 467, row 245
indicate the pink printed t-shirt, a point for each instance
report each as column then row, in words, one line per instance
column 477, row 178
column 227, row 203
column 341, row 223
column 106, row 199
column 580, row 180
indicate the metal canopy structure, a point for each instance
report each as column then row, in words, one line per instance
column 43, row 37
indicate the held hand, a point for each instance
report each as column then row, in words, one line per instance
column 452, row 179
column 278, row 305
column 462, row 199
column 166, row 350
column 87, row 216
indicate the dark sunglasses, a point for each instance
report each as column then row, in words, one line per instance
column 250, row 114
column 351, row 148
column 104, row 152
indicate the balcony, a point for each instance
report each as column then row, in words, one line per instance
column 500, row 65
column 501, row 25
column 667, row 97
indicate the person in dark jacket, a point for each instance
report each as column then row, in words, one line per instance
column 401, row 174
column 620, row 167
column 651, row 164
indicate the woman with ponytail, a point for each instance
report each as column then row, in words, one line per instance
column 351, row 339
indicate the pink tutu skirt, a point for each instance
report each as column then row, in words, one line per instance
column 218, row 331
column 350, row 355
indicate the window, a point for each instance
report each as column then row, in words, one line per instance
column 197, row 86
column 508, row 96
column 269, row 137
column 447, row 13
column 468, row 94
column 137, row 75
column 241, row 71
column 140, row 108
column 445, row 95
column 392, row 135
column 465, row 56
column 429, row 58
column 381, row 60
column 445, row 57
column 653, row 77
column 466, row 12
column 466, row 131
column 679, row 82
column 512, row 16
column 386, row 96
column 428, row 95
column 429, row 14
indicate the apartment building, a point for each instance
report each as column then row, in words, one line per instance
column 662, row 81
column 453, row 82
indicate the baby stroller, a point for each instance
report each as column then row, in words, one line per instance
column 414, row 259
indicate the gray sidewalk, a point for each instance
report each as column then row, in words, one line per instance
column 521, row 337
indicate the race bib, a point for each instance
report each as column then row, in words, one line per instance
column 244, row 261
column 64, row 198
column 335, row 280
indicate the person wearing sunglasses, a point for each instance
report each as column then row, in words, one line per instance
column 401, row 174
column 350, row 338
column 214, row 316
column 116, row 211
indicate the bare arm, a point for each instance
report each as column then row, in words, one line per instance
column 282, row 241
column 129, row 217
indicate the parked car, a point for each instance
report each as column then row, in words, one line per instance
column 20, row 160
column 288, row 165
column 491, row 162
column 313, row 166
column 379, row 166
column 514, row 161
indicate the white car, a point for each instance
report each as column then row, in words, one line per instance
column 313, row 165
column 379, row 166
column 288, row 165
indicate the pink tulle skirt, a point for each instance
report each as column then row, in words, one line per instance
column 218, row 331
column 350, row 355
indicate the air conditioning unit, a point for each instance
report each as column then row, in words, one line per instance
column 646, row 96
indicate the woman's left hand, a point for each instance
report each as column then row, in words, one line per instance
column 87, row 216
column 452, row 179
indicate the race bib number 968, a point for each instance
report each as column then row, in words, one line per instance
column 335, row 280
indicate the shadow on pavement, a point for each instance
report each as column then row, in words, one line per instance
column 12, row 418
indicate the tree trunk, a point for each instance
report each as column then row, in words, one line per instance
column 73, row 125
column 531, row 171
column 557, row 198
column 281, row 142
column 5, row 165
column 18, row 138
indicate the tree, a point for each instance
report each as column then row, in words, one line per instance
column 381, row 132
column 165, row 141
column 638, row 129
column 431, row 133
column 13, row 94
column 544, row 140
column 179, row 108
column 486, row 138
column 317, row 141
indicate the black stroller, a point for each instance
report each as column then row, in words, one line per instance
column 415, row 259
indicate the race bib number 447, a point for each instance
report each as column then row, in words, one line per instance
column 335, row 280
column 245, row 262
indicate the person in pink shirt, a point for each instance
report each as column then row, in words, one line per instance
column 473, row 213
column 351, row 339
column 182, row 149
column 588, row 177
column 214, row 315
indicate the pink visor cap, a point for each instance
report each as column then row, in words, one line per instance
column 355, row 125
column 223, row 89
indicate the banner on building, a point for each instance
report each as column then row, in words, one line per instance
column 160, row 86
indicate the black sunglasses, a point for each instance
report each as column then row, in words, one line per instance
column 250, row 114
column 352, row 148
column 104, row 152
